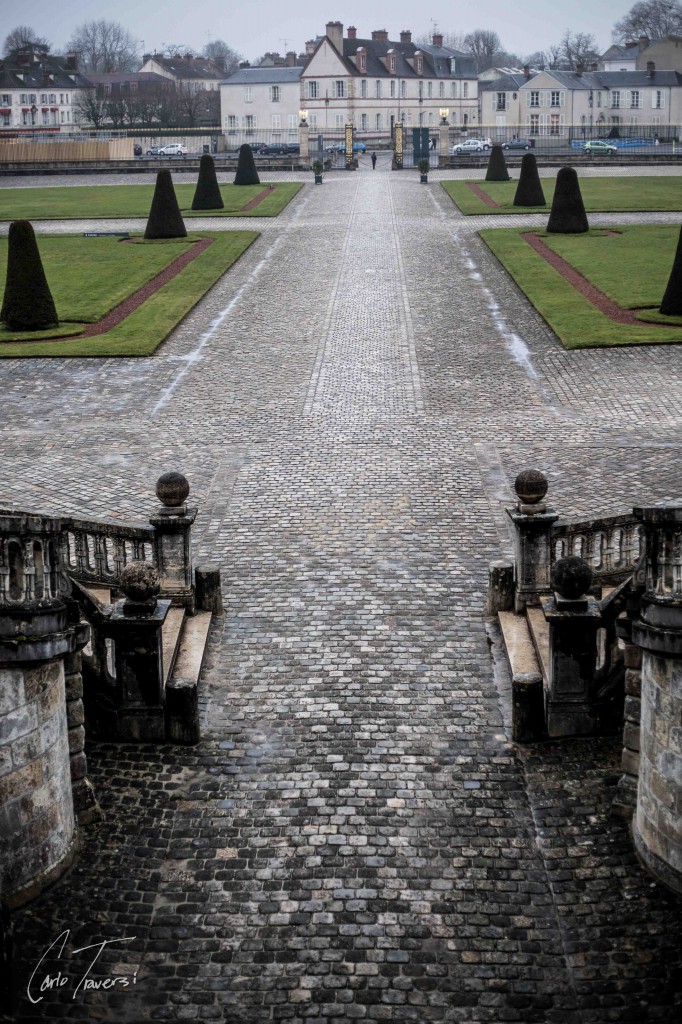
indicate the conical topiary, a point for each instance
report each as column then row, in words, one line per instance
column 165, row 219
column 207, row 195
column 671, row 304
column 246, row 168
column 567, row 216
column 529, row 190
column 497, row 166
column 28, row 304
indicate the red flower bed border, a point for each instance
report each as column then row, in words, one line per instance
column 483, row 196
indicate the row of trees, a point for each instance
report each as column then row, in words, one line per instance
column 106, row 46
column 168, row 106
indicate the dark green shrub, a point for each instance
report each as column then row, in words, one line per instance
column 671, row 304
column 567, row 216
column 28, row 304
column 207, row 195
column 165, row 219
column 529, row 190
column 246, row 168
column 423, row 165
column 497, row 166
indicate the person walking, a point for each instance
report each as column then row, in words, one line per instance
column 374, row 161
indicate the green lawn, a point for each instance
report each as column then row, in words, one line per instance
column 85, row 276
column 600, row 195
column 632, row 267
column 97, row 201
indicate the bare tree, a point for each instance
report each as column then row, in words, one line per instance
column 453, row 40
column 483, row 45
column 219, row 51
column 578, row 48
column 105, row 46
column 91, row 109
column 24, row 36
column 651, row 18
column 178, row 49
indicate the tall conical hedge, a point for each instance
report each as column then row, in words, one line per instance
column 567, row 216
column 246, row 168
column 27, row 304
column 497, row 166
column 529, row 190
column 207, row 195
column 165, row 219
column 671, row 304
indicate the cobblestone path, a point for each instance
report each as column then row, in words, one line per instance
column 355, row 838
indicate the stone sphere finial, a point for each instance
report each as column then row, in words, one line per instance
column 172, row 489
column 140, row 583
column 531, row 486
column 571, row 577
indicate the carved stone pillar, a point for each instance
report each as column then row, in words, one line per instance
column 532, row 539
column 173, row 524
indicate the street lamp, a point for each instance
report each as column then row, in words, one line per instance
column 444, row 111
column 303, row 117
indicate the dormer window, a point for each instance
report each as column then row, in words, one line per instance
column 390, row 62
column 419, row 62
column 362, row 60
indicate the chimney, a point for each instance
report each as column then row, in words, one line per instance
column 594, row 67
column 23, row 58
column 406, row 36
column 526, row 71
column 352, row 32
column 188, row 58
column 643, row 42
column 579, row 69
column 244, row 64
column 334, row 33
column 380, row 35
column 437, row 39
column 310, row 47
column 650, row 69
column 291, row 59
column 47, row 78
column 72, row 61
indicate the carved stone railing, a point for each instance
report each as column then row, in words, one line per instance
column 611, row 545
column 98, row 550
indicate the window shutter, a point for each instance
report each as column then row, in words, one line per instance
column 562, row 99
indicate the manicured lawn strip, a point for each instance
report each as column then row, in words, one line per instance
column 101, row 272
column 632, row 267
column 600, row 195
column 572, row 318
column 93, row 202
column 141, row 332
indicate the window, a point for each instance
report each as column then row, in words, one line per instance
column 46, row 116
column 392, row 89
column 378, row 122
column 534, row 128
column 391, row 63
column 63, row 117
column 248, row 94
column 339, row 121
column 362, row 61
column 363, row 88
column 312, row 120
column 339, row 89
column 634, row 99
column 66, row 97
column 249, row 121
column 377, row 88
column 554, row 124
column 441, row 90
column 534, row 98
column 312, row 90
column 430, row 117
column 23, row 98
column 465, row 90
column 615, row 98
column 6, row 99
column 429, row 89
column 657, row 100
column 501, row 101
column 599, row 97
column 403, row 89
column 274, row 94
column 53, row 97
column 453, row 90
column 32, row 97
column 421, row 90
column 555, row 98
column 363, row 122
column 293, row 121
column 43, row 97
column 231, row 120
column 276, row 120
column 5, row 120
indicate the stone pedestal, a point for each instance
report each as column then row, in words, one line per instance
column 37, row 822
column 443, row 144
column 532, row 550
column 569, row 701
column 303, row 136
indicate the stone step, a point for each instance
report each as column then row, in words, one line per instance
column 538, row 628
column 99, row 593
column 171, row 638
column 528, row 719
column 518, row 644
column 192, row 647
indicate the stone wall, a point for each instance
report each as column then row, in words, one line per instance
column 37, row 827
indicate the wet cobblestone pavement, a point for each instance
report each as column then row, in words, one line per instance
column 355, row 838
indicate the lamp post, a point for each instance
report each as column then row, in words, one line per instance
column 443, row 135
column 303, row 136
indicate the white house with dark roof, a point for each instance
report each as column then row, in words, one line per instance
column 190, row 72
column 263, row 101
column 40, row 90
column 376, row 82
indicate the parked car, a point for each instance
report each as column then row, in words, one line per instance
column 137, row 149
column 472, row 146
column 276, row 149
column 173, row 149
column 517, row 144
column 340, row 147
column 600, row 147
column 153, row 151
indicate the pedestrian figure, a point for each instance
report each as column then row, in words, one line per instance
column 374, row 160
column 433, row 142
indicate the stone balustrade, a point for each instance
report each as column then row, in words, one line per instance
column 611, row 546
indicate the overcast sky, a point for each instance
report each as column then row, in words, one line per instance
column 255, row 26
